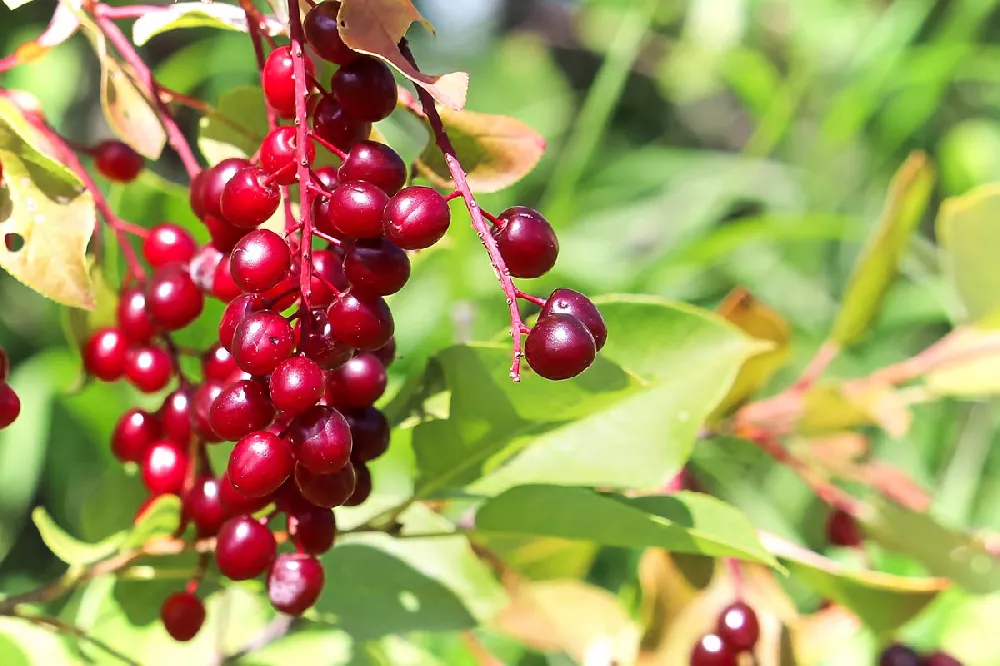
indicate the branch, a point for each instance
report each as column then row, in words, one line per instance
column 75, row 631
column 304, row 173
column 479, row 223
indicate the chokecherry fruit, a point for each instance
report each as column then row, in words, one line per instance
column 369, row 434
column 328, row 277
column 940, row 659
column 296, row 385
column 236, row 311
column 260, row 260
column 361, row 322
column 117, row 162
column 356, row 384
column 278, row 79
column 10, row 405
column 250, row 198
column 387, row 352
column 898, row 654
column 317, row 341
column 842, row 530
column 710, row 650
column 169, row 243
column 260, row 463
column 376, row 267
column 104, row 354
column 320, row 26
column 134, row 433
column 362, row 486
column 223, row 286
column 738, row 627
column 244, row 548
column 559, row 347
column 201, row 407
column 241, row 408
column 375, row 163
column 326, row 490
column 207, row 188
column 133, row 318
column 321, row 439
column 235, row 503
column 416, row 217
column 365, row 88
column 164, row 467
column 313, row 527
column 337, row 127
column 182, row 614
column 278, row 155
column 294, row 584
column 217, row 363
column 175, row 416
column 4, row 366
column 262, row 341
column 526, row 241
column 203, row 505
column 148, row 368
column 173, row 300
column 356, row 209
column 567, row 301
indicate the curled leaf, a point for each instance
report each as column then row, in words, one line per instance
column 195, row 15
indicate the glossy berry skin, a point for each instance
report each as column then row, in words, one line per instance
column 10, row 405
column 296, row 385
column 362, row 486
column 206, row 190
column 738, row 627
column 134, row 433
column 526, row 241
column 149, row 369
column 244, row 549
column 326, row 490
column 376, row 267
column 260, row 260
column 182, row 614
column 260, row 463
column 842, row 530
column 375, row 163
column 175, row 416
column 320, row 26
column 223, row 287
column 240, row 409
column 235, row 503
column 117, row 162
column 356, row 209
column 387, row 352
column 328, row 277
column 559, row 347
column 278, row 154
column 365, row 88
column 357, row 384
column 203, row 506
column 133, row 319
column 317, row 341
column 278, row 80
column 104, row 354
column 361, row 322
column 173, row 300
column 337, row 127
column 167, row 244
column 321, row 440
column 249, row 198
column 261, row 342
column 201, row 406
column 940, row 659
column 224, row 235
column 369, row 434
column 314, row 528
column 416, row 218
column 294, row 584
column 234, row 314
column 164, row 467
column 711, row 651
column 217, row 363
column 567, row 301
column 898, row 654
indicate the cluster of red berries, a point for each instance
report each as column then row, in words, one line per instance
column 10, row 405
column 736, row 631
column 898, row 654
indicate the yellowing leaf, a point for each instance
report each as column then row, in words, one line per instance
column 875, row 269
column 762, row 323
column 968, row 228
column 44, row 205
column 967, row 363
column 819, row 634
column 495, row 151
column 833, row 407
column 375, row 27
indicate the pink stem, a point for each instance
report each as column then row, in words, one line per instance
column 736, row 572
column 528, row 297
column 125, row 48
column 297, row 36
column 479, row 223
column 329, row 146
column 129, row 11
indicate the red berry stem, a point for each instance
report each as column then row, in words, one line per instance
column 130, row 11
column 454, row 195
column 479, row 222
column 326, row 144
column 199, row 573
column 134, row 229
column 145, row 76
column 297, row 35
column 528, row 297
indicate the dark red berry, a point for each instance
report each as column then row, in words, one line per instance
column 224, row 235
column 296, row 385
column 117, row 162
column 282, row 295
column 321, row 439
column 316, row 340
column 362, row 486
column 387, row 352
column 314, row 528
column 328, row 176
column 148, row 368
column 201, row 407
column 898, row 654
column 335, row 126
column 738, row 627
column 294, row 584
column 4, row 366
column 357, row 384
column 376, row 267
column 104, row 354
column 567, row 301
column 10, row 405
column 711, row 651
column 173, row 300
column 375, row 163
column 369, row 434
column 235, row 503
column 260, row 260
column 278, row 155
column 360, row 321
column 526, row 241
column 842, row 530
column 940, row 659
column 416, row 218
column 250, row 198
column 167, row 244
column 204, row 268
column 133, row 320
column 279, row 81
column 175, row 416
column 237, row 310
column 206, row 191
column 560, row 346
column 223, row 286
column 244, row 548
column 356, row 209
column 217, row 363
column 326, row 490
column 240, row 409
column 182, row 615
column 328, row 277
column 365, row 88
column 260, row 463
column 262, row 341
column 203, row 505
column 164, row 467
column 134, row 433
column 320, row 26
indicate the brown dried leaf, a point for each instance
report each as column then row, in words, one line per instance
column 375, row 27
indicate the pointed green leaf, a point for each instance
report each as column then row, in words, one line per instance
column 193, row 15
column 968, row 228
column 69, row 549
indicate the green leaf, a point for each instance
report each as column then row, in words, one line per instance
column 192, row 15
column 69, row 549
column 495, row 151
column 683, row 522
column 967, row 362
column 882, row 601
column 160, row 519
column 78, row 325
column 875, row 269
column 302, row 646
column 45, row 205
column 26, row 644
column 236, row 127
column 943, row 551
column 378, row 585
column 967, row 229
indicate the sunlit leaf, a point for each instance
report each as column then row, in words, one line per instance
column 966, row 362
column 194, row 15
column 968, row 227
column 25, row 644
column 830, row 407
column 236, row 127
column 67, row 548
